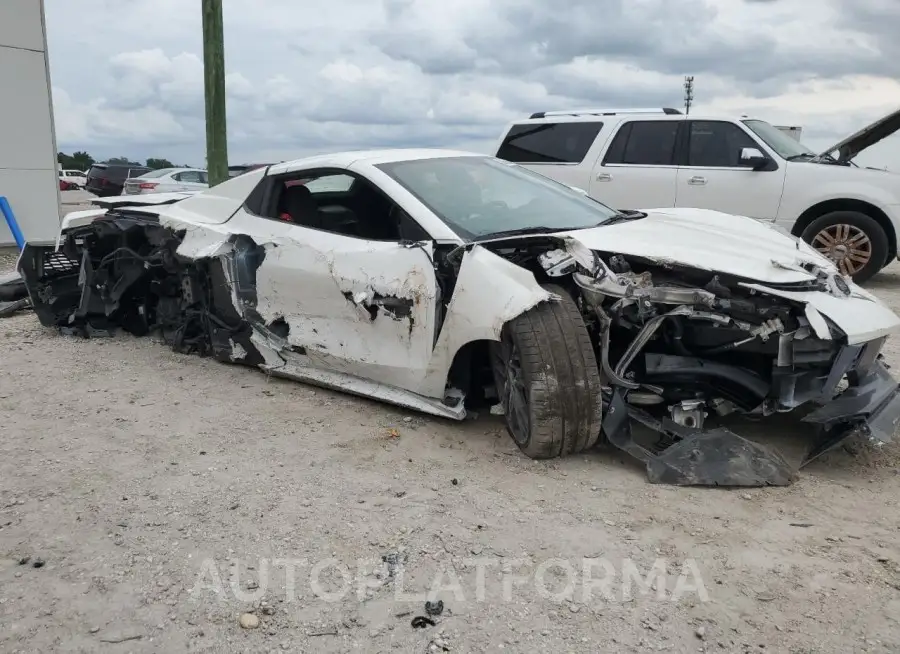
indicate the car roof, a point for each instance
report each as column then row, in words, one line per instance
column 586, row 117
column 117, row 165
column 368, row 157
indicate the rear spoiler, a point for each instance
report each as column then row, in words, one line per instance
column 142, row 200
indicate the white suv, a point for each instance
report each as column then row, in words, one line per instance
column 656, row 158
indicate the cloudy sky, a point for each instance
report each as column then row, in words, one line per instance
column 306, row 76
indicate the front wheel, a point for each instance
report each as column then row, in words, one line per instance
column 548, row 381
column 853, row 240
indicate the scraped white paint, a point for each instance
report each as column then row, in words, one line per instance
column 323, row 286
column 861, row 318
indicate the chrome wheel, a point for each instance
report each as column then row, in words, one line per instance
column 848, row 246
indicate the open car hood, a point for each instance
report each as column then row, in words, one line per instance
column 709, row 240
column 865, row 138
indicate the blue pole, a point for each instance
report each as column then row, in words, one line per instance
column 11, row 222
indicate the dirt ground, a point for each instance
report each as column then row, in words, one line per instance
column 148, row 500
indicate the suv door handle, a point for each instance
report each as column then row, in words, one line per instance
column 604, row 177
column 696, row 180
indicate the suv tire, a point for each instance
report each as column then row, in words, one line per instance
column 853, row 240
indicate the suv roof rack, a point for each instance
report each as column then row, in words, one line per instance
column 605, row 112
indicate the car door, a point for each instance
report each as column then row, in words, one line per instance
column 352, row 305
column 638, row 169
column 712, row 176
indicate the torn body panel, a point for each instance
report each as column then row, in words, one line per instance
column 489, row 292
column 366, row 324
column 298, row 303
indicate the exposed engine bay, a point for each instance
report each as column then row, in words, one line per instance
column 674, row 346
column 678, row 345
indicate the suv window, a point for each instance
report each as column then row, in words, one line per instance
column 549, row 142
column 716, row 144
column 644, row 143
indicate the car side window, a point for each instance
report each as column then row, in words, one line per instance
column 717, row 144
column 566, row 142
column 339, row 203
column 331, row 184
column 644, row 143
column 204, row 178
column 189, row 176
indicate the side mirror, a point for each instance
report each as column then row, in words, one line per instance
column 753, row 158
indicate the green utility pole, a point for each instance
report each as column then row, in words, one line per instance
column 214, row 74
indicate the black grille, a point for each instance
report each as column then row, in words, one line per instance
column 58, row 263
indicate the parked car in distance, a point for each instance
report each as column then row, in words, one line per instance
column 75, row 178
column 109, row 179
column 167, row 180
column 66, row 186
column 745, row 166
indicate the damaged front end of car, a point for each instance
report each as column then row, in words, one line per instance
column 678, row 345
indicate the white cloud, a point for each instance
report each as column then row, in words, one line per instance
column 325, row 75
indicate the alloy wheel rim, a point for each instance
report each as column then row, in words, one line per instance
column 512, row 391
column 847, row 245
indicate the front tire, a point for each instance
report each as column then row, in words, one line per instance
column 548, row 380
column 853, row 240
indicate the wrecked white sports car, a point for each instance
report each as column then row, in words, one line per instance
column 442, row 281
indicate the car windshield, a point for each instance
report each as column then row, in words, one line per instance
column 784, row 145
column 161, row 172
column 481, row 196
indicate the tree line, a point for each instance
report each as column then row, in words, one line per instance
column 83, row 161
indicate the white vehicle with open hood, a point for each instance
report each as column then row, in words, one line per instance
column 442, row 281
column 745, row 166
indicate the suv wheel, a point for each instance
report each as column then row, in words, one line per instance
column 853, row 240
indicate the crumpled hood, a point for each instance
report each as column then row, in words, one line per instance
column 709, row 240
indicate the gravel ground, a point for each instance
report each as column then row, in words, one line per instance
column 149, row 500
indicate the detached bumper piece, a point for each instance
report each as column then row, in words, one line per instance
column 684, row 456
column 869, row 407
column 694, row 457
